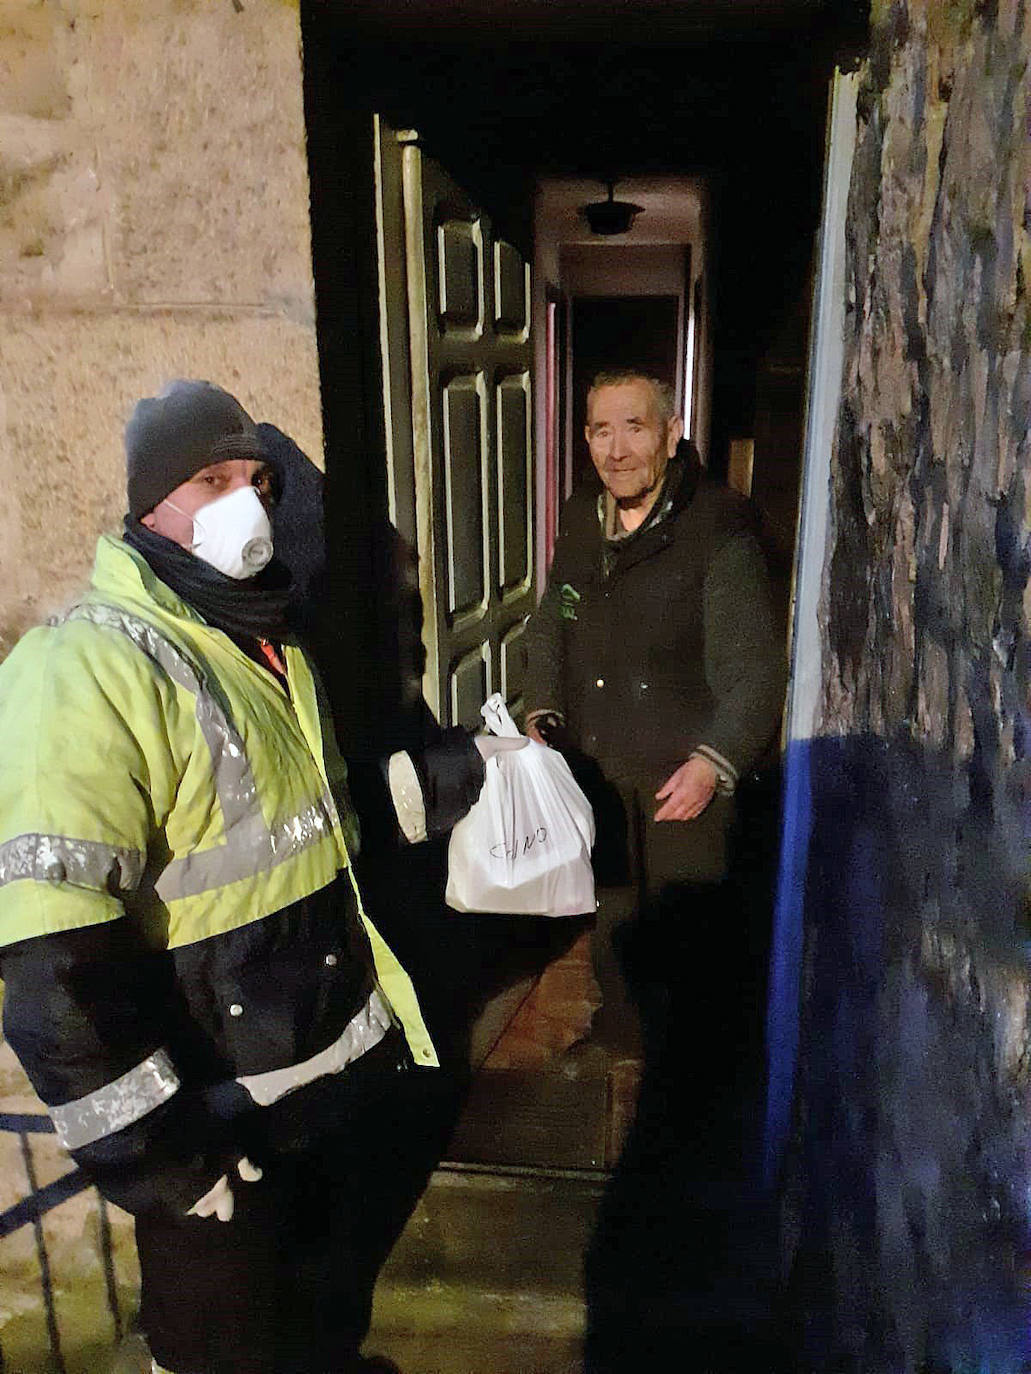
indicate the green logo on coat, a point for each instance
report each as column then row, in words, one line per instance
column 569, row 597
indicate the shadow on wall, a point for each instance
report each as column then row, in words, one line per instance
column 906, row 1184
column 896, row 1238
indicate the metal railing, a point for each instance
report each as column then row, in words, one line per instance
column 30, row 1211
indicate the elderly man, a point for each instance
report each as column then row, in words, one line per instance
column 654, row 655
column 191, row 981
column 654, row 651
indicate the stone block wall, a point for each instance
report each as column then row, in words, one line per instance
column 154, row 223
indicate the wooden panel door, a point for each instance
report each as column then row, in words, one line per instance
column 457, row 361
column 471, row 359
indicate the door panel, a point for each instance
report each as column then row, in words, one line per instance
column 513, row 666
column 460, row 276
column 515, row 482
column 471, row 356
column 470, row 684
column 511, row 292
column 465, row 495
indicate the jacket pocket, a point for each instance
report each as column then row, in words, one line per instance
column 279, row 1011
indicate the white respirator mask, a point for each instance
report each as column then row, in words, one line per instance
column 232, row 533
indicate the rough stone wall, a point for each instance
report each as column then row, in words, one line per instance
column 153, row 224
column 907, row 1204
column 933, row 441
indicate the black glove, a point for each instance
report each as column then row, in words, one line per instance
column 451, row 773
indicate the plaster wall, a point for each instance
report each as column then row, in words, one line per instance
column 654, row 269
column 153, row 223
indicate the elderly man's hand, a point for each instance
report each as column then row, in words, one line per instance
column 688, row 792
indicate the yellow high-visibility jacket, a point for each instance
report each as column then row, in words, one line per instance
column 179, row 924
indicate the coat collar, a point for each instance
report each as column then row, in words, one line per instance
column 120, row 572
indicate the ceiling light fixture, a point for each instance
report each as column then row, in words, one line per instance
column 610, row 216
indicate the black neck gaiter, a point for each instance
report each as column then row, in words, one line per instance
column 253, row 607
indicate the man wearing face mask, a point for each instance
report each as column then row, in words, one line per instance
column 191, row 981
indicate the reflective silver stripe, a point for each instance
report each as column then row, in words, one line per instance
column 116, row 1105
column 361, row 1033
column 250, row 846
column 62, row 859
column 234, row 781
column 406, row 794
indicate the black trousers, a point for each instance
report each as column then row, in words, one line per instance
column 286, row 1286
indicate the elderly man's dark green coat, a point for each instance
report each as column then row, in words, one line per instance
column 658, row 645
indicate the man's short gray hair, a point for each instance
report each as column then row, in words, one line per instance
column 663, row 392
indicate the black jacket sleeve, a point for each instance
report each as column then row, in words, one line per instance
column 543, row 638
column 744, row 658
column 83, row 1008
column 544, row 688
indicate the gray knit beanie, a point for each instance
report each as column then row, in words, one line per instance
column 171, row 436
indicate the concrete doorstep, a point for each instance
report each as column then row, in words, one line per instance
column 487, row 1277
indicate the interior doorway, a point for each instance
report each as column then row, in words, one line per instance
column 612, row 332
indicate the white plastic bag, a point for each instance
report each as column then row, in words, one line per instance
column 526, row 844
